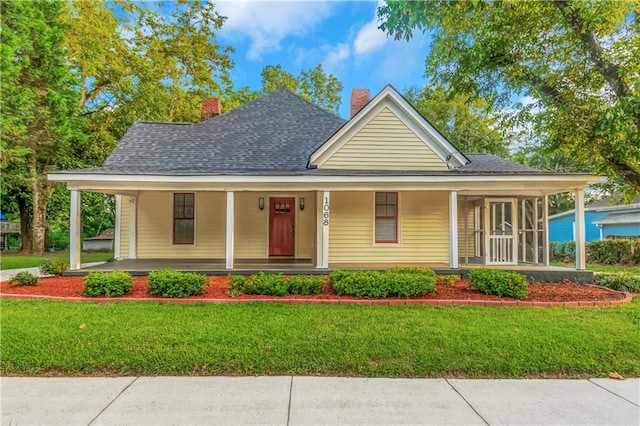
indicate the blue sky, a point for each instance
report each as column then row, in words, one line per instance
column 341, row 35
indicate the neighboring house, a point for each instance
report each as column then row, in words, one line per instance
column 103, row 242
column 282, row 180
column 602, row 219
column 6, row 229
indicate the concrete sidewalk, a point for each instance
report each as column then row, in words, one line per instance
column 8, row 273
column 317, row 400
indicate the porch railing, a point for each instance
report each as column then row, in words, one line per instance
column 501, row 249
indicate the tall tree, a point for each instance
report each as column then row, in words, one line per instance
column 40, row 128
column 580, row 59
column 312, row 84
column 135, row 62
column 468, row 124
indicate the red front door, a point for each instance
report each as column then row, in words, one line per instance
column 282, row 212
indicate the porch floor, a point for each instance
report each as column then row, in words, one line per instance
column 140, row 267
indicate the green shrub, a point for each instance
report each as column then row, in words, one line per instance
column 621, row 281
column 275, row 284
column 53, row 267
column 619, row 251
column 500, row 283
column 447, row 279
column 111, row 284
column 24, row 278
column 309, row 284
column 398, row 282
column 614, row 252
column 171, row 283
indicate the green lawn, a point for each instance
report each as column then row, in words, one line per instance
column 137, row 338
column 14, row 261
column 603, row 268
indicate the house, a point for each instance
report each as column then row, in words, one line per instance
column 281, row 181
column 6, row 229
column 103, row 242
column 603, row 219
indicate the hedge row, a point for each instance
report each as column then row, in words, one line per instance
column 606, row 252
column 275, row 284
column 110, row 284
column 621, row 281
column 398, row 282
column 499, row 283
column 167, row 283
column 171, row 283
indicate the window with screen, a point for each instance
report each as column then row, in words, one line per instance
column 386, row 217
column 183, row 215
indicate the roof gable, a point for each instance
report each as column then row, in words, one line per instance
column 388, row 134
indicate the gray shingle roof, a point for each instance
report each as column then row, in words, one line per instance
column 277, row 132
column 273, row 135
column 612, row 201
column 620, row 218
column 488, row 163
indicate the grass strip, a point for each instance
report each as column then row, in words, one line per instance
column 603, row 268
column 14, row 261
column 137, row 338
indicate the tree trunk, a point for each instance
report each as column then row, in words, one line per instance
column 39, row 196
column 25, row 225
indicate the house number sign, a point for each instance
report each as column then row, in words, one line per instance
column 325, row 212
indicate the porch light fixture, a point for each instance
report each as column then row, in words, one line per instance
column 301, row 204
column 261, row 203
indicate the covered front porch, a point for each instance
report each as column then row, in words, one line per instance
column 284, row 226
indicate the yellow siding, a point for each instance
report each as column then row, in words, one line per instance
column 423, row 225
column 306, row 226
column 465, row 211
column 124, row 227
column 252, row 224
column 385, row 143
column 155, row 226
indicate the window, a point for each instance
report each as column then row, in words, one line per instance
column 183, row 208
column 386, row 217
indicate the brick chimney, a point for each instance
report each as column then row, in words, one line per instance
column 211, row 107
column 359, row 98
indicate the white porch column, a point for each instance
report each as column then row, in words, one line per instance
column 581, row 252
column 75, row 225
column 453, row 229
column 229, row 249
column 133, row 228
column 545, row 223
column 118, row 228
column 322, row 238
column 536, row 241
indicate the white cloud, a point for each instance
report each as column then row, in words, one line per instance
column 267, row 23
column 336, row 55
column 370, row 38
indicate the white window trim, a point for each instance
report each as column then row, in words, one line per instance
column 185, row 246
column 398, row 243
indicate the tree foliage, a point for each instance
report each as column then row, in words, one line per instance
column 468, row 124
column 579, row 59
column 138, row 63
column 77, row 74
column 312, row 84
column 40, row 131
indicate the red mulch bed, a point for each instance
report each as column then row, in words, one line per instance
column 219, row 288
